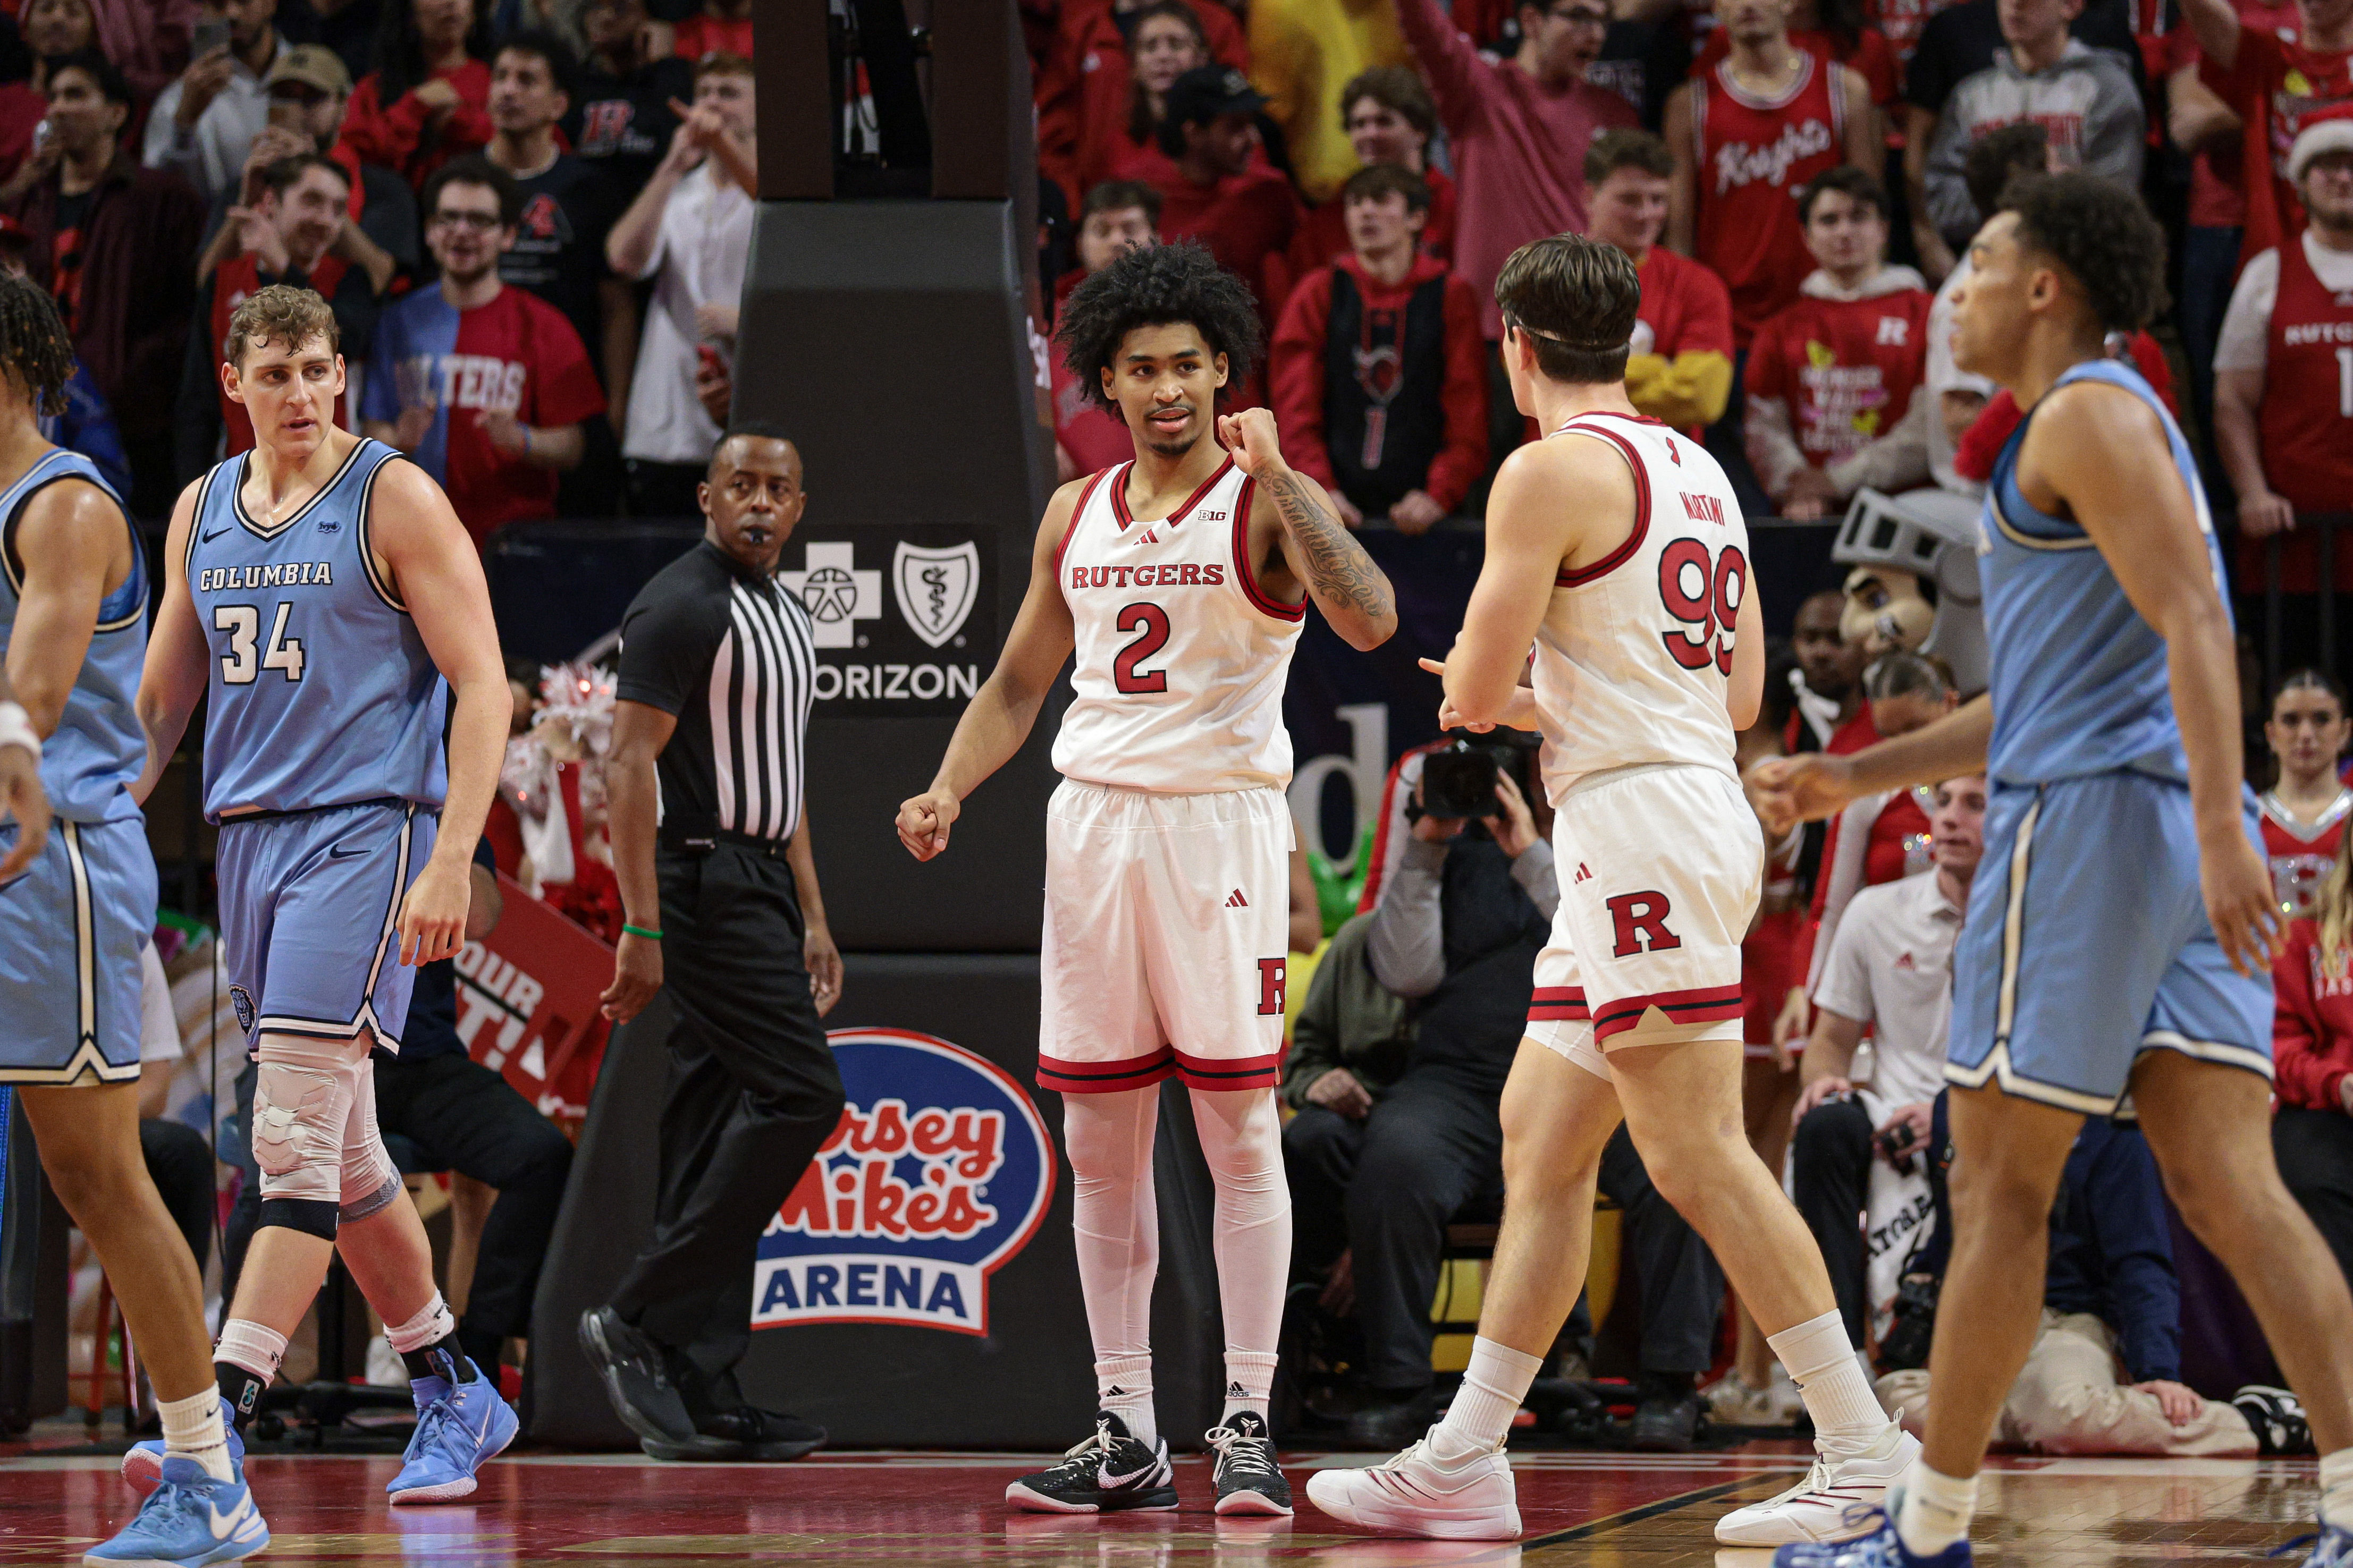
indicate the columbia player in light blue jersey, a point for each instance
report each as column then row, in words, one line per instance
column 325, row 601
column 2117, row 949
column 73, row 629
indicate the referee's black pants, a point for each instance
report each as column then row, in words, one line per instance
column 753, row 1093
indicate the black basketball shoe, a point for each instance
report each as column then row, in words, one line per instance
column 2277, row 1416
column 1249, row 1479
column 1111, row 1472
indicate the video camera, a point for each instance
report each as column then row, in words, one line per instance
column 1459, row 779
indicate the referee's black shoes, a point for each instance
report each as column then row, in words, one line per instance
column 637, row 1379
column 744, row 1434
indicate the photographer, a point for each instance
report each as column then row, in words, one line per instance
column 1889, row 966
column 1406, row 1037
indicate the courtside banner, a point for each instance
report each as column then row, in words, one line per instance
column 937, row 1175
column 527, row 1003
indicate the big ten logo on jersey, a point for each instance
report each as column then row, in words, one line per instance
column 937, row 1176
column 904, row 619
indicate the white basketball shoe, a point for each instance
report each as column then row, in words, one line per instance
column 1837, row 1500
column 1414, row 1494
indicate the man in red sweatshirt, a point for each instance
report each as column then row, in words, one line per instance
column 1518, row 130
column 1377, row 372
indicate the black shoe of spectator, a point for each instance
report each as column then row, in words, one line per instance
column 1392, row 1424
column 2277, row 1416
column 635, row 1377
column 1667, row 1419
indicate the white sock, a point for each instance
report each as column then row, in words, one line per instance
column 433, row 1324
column 1848, row 1417
column 1249, row 1381
column 1934, row 1511
column 1481, row 1417
column 1124, row 1387
column 192, row 1429
column 2336, row 1488
column 256, row 1347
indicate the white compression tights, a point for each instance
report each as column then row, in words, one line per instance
column 1113, row 1213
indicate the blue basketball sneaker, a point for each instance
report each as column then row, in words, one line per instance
column 189, row 1520
column 142, row 1466
column 1880, row 1549
column 459, row 1427
column 2332, row 1548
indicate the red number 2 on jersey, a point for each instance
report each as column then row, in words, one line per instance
column 1703, row 593
column 1153, row 622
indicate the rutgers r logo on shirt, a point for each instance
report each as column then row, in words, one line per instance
column 1639, row 922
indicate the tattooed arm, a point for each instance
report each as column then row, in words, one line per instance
column 1325, row 558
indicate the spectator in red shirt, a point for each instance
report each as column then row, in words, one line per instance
column 2312, row 1062
column 1747, row 136
column 428, row 99
column 2275, row 86
column 1389, row 119
column 1680, row 367
column 1518, row 131
column 1120, row 215
column 1093, row 113
column 1832, row 379
column 719, row 28
column 113, row 244
column 2280, row 421
column 2304, row 814
column 1378, row 370
column 486, row 386
column 2207, row 130
column 1242, row 212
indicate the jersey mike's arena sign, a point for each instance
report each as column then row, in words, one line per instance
column 904, row 619
column 939, row 1172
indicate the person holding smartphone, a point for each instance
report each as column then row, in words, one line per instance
column 204, row 123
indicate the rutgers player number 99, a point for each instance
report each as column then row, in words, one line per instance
column 1702, row 590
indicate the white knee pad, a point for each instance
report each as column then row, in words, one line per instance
column 314, row 1133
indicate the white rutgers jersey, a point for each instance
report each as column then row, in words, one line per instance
column 1181, row 657
column 1635, row 653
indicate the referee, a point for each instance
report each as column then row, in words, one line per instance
column 717, row 660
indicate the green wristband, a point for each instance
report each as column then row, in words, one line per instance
column 641, row 930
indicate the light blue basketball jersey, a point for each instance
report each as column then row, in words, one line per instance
column 322, row 693
column 2078, row 678
column 99, row 748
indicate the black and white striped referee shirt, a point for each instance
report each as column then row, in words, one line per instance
column 733, row 659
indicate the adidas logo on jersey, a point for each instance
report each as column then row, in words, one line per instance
column 1903, row 960
column 1582, row 875
column 1149, row 537
column 1235, row 900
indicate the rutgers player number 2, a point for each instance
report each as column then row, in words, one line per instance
column 1704, row 592
column 1151, row 621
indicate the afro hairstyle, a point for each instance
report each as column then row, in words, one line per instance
column 1157, row 285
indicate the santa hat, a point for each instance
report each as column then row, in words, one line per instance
column 2330, row 130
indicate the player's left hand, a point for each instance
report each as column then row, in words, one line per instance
column 433, row 915
column 24, row 802
column 2240, row 901
column 2181, row 1406
column 1250, row 435
column 824, row 962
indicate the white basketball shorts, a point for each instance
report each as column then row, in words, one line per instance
column 1659, row 872
column 1166, row 940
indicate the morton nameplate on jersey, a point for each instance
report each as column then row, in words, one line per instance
column 916, row 647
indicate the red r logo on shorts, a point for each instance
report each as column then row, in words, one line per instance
column 1273, row 975
column 1646, row 913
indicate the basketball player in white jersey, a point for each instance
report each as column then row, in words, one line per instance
column 1616, row 548
column 1180, row 579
